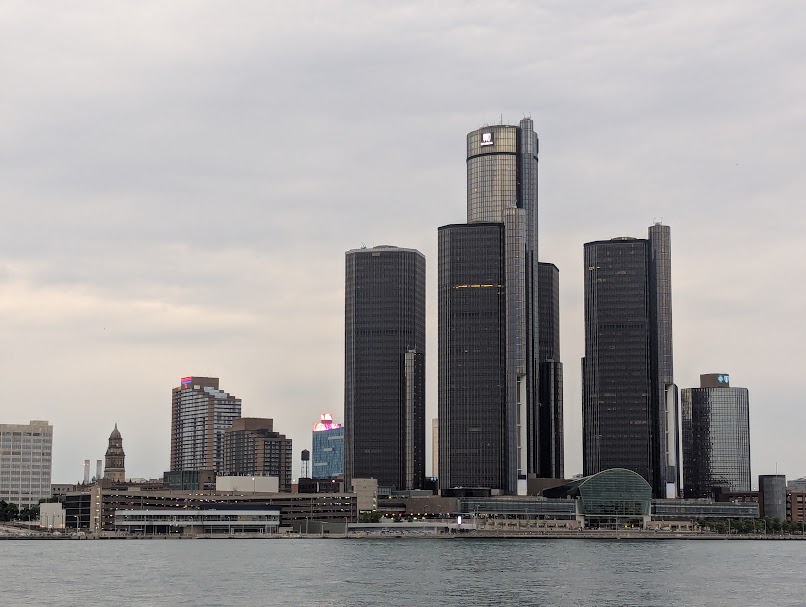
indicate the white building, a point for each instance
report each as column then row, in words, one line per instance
column 51, row 516
column 25, row 462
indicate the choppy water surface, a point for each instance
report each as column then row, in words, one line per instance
column 402, row 572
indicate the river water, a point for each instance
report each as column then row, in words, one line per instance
column 402, row 572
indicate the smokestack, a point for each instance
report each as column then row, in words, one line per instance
column 99, row 469
column 86, row 472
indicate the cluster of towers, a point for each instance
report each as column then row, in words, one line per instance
column 500, row 377
column 500, row 384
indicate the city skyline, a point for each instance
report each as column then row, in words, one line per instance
column 163, row 211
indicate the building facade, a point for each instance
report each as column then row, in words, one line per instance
column 772, row 496
column 200, row 413
column 115, row 467
column 435, row 447
column 551, row 446
column 384, row 387
column 716, row 437
column 253, row 448
column 630, row 403
column 502, row 188
column 475, row 434
column 328, row 448
column 25, row 462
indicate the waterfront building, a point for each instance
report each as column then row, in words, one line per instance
column 551, row 447
column 475, row 434
column 190, row 522
column 630, row 401
column 772, row 496
column 328, row 448
column 716, row 437
column 384, row 386
column 494, row 375
column 502, row 188
column 25, row 462
column 115, row 458
column 95, row 508
column 253, row 448
column 200, row 412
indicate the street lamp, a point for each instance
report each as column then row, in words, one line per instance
column 253, row 485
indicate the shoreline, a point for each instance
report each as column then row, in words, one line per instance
column 610, row 535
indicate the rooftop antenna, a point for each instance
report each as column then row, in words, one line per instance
column 502, row 119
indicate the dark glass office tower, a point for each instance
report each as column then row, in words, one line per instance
column 716, row 437
column 629, row 398
column 474, row 437
column 384, row 388
column 502, row 188
column 550, row 413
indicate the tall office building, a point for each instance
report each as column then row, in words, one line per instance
column 115, row 458
column 253, row 448
column 25, row 462
column 629, row 404
column 328, row 448
column 501, row 191
column 200, row 413
column 384, row 387
column 474, row 430
column 716, row 437
column 551, row 448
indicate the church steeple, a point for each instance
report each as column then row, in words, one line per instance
column 115, row 458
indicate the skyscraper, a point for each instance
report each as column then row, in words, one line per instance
column 200, row 412
column 253, row 448
column 551, row 460
column 25, row 462
column 384, row 387
column 629, row 397
column 475, row 429
column 502, row 190
column 115, row 458
column 716, row 437
column 328, row 448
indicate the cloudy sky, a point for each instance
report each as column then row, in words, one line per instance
column 179, row 182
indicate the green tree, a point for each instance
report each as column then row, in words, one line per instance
column 8, row 512
column 369, row 517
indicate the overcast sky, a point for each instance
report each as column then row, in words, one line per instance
column 179, row 182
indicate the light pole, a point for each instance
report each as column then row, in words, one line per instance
column 253, row 485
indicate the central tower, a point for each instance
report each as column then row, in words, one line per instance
column 502, row 188
column 501, row 191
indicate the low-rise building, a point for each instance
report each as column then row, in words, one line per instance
column 95, row 509
column 51, row 515
column 193, row 521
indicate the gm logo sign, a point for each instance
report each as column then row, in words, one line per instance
column 487, row 139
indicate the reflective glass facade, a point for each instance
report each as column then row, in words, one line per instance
column 716, row 440
column 200, row 413
column 502, row 188
column 630, row 417
column 550, row 415
column 328, row 453
column 473, row 413
column 384, row 393
column 25, row 462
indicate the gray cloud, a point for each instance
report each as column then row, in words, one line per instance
column 180, row 183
